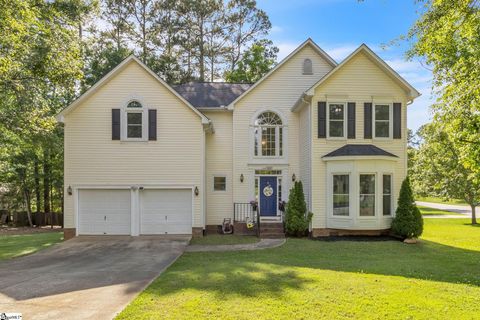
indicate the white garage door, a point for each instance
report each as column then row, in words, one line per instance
column 166, row 211
column 104, row 212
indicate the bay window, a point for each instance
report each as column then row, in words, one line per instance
column 367, row 195
column 341, row 195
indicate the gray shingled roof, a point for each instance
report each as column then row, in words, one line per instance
column 359, row 150
column 210, row 94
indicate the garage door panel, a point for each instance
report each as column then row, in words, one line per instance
column 166, row 211
column 104, row 211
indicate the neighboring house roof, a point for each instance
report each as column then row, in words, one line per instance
column 211, row 94
column 412, row 92
column 114, row 72
column 359, row 150
column 309, row 42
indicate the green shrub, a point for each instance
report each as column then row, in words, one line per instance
column 297, row 218
column 408, row 221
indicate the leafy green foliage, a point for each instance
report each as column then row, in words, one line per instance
column 256, row 62
column 408, row 221
column 297, row 217
column 447, row 37
column 438, row 168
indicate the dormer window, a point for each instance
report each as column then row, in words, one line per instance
column 307, row 66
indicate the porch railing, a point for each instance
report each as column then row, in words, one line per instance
column 244, row 212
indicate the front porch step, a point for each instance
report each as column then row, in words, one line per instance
column 272, row 230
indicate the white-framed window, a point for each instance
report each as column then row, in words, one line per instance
column 219, row 183
column 387, row 194
column 382, row 120
column 268, row 135
column 367, row 195
column 336, row 120
column 341, row 194
column 134, row 122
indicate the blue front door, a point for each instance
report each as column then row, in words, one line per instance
column 268, row 196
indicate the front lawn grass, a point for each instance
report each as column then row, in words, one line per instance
column 18, row 245
column 439, row 278
column 426, row 211
column 440, row 200
column 218, row 239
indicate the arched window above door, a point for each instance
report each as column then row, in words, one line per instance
column 268, row 135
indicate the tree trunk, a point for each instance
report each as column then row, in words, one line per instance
column 26, row 194
column 37, row 185
column 46, row 181
column 201, row 58
column 474, row 216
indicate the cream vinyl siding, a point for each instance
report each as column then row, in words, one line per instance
column 93, row 158
column 304, row 138
column 219, row 162
column 277, row 93
column 359, row 81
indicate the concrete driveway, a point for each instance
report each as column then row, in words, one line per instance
column 86, row 277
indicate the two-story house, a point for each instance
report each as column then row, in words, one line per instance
column 143, row 157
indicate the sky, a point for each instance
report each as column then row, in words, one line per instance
column 340, row 26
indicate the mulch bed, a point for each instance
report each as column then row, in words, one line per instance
column 6, row 230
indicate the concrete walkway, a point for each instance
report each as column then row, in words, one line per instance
column 262, row 244
column 84, row 278
column 461, row 211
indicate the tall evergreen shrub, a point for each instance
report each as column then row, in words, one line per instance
column 297, row 218
column 408, row 221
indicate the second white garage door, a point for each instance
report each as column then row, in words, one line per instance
column 166, row 211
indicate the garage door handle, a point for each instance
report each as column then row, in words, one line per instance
column 105, row 218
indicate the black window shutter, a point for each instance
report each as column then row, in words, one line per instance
column 152, row 124
column 351, row 120
column 322, row 119
column 367, row 122
column 397, row 120
column 115, row 124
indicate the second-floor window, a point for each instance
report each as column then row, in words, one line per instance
column 134, row 116
column 382, row 121
column 336, row 120
column 268, row 135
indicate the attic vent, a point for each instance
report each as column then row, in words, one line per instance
column 307, row 66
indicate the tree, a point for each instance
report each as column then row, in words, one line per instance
column 297, row 217
column 447, row 38
column 247, row 23
column 255, row 63
column 438, row 168
column 408, row 221
column 40, row 67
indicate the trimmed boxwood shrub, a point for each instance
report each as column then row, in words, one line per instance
column 408, row 221
column 297, row 217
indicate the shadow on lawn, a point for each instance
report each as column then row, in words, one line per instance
column 270, row 271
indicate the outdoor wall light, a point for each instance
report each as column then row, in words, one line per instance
column 196, row 191
column 241, row 178
column 294, row 177
column 69, row 190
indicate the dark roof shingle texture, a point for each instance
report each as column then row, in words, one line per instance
column 210, row 94
column 359, row 150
